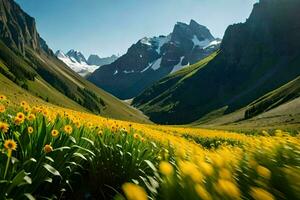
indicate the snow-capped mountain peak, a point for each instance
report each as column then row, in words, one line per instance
column 76, row 61
column 76, row 55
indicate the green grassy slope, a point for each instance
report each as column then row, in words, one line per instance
column 44, row 76
column 152, row 99
column 279, row 108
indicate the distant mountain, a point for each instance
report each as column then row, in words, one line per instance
column 96, row 60
column 27, row 62
column 76, row 56
column 256, row 57
column 151, row 59
column 76, row 61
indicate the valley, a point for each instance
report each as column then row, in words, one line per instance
column 184, row 115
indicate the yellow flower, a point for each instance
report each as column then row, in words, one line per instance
column 206, row 168
column 261, row 194
column 19, row 119
column 54, row 133
column 134, row 192
column 263, row 172
column 10, row 145
column 202, row 192
column 100, row 132
column 30, row 130
column 2, row 108
column 68, row 129
column 189, row 169
column 166, row 168
column 27, row 109
column 77, row 124
column 48, row 148
column 2, row 98
column 4, row 127
column 228, row 188
column 136, row 136
column 24, row 104
column 225, row 174
column 45, row 112
column 31, row 117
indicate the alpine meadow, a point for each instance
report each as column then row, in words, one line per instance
column 186, row 115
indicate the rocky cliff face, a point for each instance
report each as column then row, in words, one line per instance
column 17, row 29
column 150, row 59
column 255, row 58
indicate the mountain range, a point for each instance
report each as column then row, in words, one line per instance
column 151, row 59
column 251, row 76
column 78, row 63
column 255, row 58
column 29, row 66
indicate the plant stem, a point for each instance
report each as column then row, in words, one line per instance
column 7, row 164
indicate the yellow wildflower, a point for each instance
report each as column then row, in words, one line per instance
column 48, row 148
column 54, row 133
column 10, row 145
column 24, row 104
column 134, row 192
column 31, row 117
column 206, row 168
column 68, row 129
column 2, row 98
column 228, row 188
column 30, row 130
column 166, row 168
column 190, row 170
column 4, row 127
column 263, row 172
column 225, row 174
column 202, row 192
column 2, row 108
column 261, row 194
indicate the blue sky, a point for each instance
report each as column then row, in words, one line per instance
column 107, row 27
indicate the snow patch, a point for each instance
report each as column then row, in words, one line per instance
column 199, row 43
column 128, row 72
column 160, row 41
column 178, row 66
column 156, row 64
column 146, row 41
column 213, row 43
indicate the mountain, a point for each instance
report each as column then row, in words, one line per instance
column 255, row 58
column 76, row 61
column 96, row 60
column 151, row 59
column 27, row 64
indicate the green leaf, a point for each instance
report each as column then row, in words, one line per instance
column 49, row 158
column 29, row 196
column 150, row 164
column 79, row 155
column 51, row 169
column 19, row 180
column 88, row 140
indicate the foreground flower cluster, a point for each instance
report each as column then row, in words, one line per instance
column 46, row 151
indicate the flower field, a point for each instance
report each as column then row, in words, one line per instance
column 47, row 152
